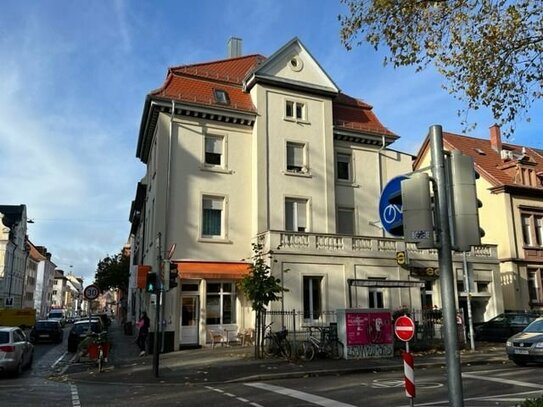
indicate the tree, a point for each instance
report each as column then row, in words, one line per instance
column 489, row 51
column 113, row 272
column 260, row 287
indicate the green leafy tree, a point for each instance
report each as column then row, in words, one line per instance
column 113, row 272
column 489, row 51
column 260, row 287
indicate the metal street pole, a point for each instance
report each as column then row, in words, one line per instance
column 454, row 375
column 156, row 347
column 468, row 301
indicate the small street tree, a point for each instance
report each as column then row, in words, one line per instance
column 113, row 272
column 260, row 287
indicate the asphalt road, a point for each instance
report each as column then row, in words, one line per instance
column 491, row 385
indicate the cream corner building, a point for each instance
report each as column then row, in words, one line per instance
column 254, row 149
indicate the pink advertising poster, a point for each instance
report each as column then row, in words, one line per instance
column 366, row 328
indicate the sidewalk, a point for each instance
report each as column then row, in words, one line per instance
column 237, row 364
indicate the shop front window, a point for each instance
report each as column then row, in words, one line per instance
column 220, row 304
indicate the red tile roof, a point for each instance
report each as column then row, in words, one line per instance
column 354, row 114
column 195, row 84
column 489, row 162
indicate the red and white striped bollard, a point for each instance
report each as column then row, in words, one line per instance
column 409, row 373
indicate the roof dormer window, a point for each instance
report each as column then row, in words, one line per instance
column 221, row 96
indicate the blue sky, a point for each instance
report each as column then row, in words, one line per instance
column 74, row 76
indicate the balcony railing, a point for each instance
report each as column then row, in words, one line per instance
column 343, row 245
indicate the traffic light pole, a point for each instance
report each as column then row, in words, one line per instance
column 454, row 375
column 156, row 347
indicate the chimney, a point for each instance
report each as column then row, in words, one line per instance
column 234, row 47
column 495, row 138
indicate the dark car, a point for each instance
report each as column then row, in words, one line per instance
column 106, row 321
column 47, row 330
column 80, row 330
column 527, row 346
column 505, row 325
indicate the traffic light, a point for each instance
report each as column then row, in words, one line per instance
column 417, row 211
column 170, row 274
column 151, row 283
column 464, row 214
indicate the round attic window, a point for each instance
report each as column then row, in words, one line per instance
column 296, row 64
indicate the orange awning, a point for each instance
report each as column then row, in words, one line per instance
column 142, row 275
column 212, row 270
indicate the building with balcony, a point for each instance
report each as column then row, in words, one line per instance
column 510, row 188
column 254, row 149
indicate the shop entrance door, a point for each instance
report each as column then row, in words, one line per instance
column 189, row 320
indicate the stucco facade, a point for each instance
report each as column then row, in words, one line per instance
column 280, row 157
column 511, row 193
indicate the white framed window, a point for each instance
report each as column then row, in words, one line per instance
column 214, row 150
column 220, row 303
column 295, row 110
column 296, row 157
column 312, row 297
column 296, row 215
column 344, row 167
column 535, row 285
column 532, row 228
column 213, row 216
column 345, row 221
column 376, row 295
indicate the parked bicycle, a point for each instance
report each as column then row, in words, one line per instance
column 320, row 341
column 96, row 346
column 276, row 343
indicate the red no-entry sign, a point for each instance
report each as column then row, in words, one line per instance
column 404, row 328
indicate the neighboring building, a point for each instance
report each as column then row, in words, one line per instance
column 45, row 277
column 269, row 150
column 13, row 254
column 74, row 300
column 58, row 295
column 32, row 263
column 510, row 188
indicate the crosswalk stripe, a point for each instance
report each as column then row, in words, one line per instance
column 318, row 400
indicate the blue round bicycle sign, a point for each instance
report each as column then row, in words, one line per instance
column 391, row 213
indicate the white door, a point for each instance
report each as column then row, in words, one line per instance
column 189, row 320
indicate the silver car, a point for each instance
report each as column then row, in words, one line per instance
column 527, row 346
column 16, row 352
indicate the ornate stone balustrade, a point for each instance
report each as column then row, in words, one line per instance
column 341, row 245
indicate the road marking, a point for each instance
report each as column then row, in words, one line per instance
column 233, row 395
column 75, row 396
column 504, row 381
column 300, row 395
column 58, row 360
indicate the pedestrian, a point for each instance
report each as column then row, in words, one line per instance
column 143, row 325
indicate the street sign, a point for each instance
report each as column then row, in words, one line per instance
column 404, row 328
column 91, row 292
column 391, row 214
column 170, row 251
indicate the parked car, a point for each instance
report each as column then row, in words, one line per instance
column 499, row 328
column 16, row 352
column 47, row 330
column 80, row 330
column 58, row 315
column 527, row 346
